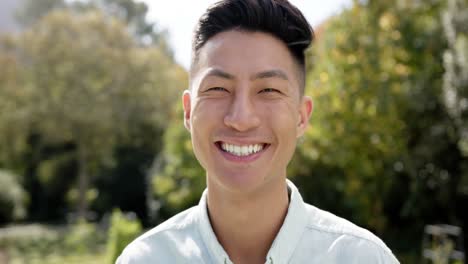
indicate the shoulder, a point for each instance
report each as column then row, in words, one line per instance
column 162, row 241
column 347, row 240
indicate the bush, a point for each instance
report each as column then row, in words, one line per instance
column 122, row 231
column 38, row 243
column 30, row 241
column 13, row 198
column 84, row 238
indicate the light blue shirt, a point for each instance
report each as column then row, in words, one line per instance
column 308, row 235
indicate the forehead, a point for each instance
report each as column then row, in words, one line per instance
column 242, row 53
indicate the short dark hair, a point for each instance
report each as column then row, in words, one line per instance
column 276, row 17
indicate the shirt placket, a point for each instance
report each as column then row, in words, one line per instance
column 228, row 261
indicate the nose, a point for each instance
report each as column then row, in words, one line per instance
column 242, row 115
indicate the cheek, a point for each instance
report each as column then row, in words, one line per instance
column 286, row 127
column 284, row 124
column 206, row 113
column 204, row 120
column 284, row 118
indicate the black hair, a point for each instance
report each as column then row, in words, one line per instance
column 276, row 17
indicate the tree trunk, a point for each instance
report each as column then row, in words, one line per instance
column 83, row 181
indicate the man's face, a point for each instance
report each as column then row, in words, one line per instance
column 244, row 110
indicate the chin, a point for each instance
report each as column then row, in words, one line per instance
column 239, row 182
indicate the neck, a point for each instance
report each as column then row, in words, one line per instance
column 247, row 223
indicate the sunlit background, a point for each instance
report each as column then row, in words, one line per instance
column 93, row 151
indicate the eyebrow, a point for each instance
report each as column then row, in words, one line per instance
column 271, row 74
column 276, row 73
column 219, row 73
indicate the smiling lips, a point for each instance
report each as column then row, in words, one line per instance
column 241, row 150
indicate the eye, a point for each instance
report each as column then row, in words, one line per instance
column 220, row 89
column 269, row 90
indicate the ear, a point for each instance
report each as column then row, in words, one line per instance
column 305, row 110
column 186, row 97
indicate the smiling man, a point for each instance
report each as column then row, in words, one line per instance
column 245, row 111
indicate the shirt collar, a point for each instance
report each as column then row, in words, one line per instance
column 292, row 229
column 207, row 233
column 285, row 242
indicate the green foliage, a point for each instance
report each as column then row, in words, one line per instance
column 12, row 120
column 82, row 110
column 80, row 243
column 55, row 173
column 180, row 180
column 382, row 149
column 358, row 87
column 83, row 237
column 29, row 241
column 82, row 84
column 132, row 13
column 88, row 258
column 455, row 86
column 13, row 198
column 122, row 231
column 33, row 10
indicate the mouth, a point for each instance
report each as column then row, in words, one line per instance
column 241, row 150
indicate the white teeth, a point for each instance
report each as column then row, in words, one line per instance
column 245, row 149
column 237, row 150
column 241, row 150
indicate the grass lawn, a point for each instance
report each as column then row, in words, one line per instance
column 56, row 259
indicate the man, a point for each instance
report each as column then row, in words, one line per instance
column 245, row 111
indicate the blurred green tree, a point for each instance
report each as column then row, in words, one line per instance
column 12, row 120
column 13, row 198
column 356, row 132
column 179, row 180
column 83, row 79
column 455, row 92
column 455, row 86
column 135, row 15
column 132, row 13
column 382, row 143
column 32, row 11
column 121, row 232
